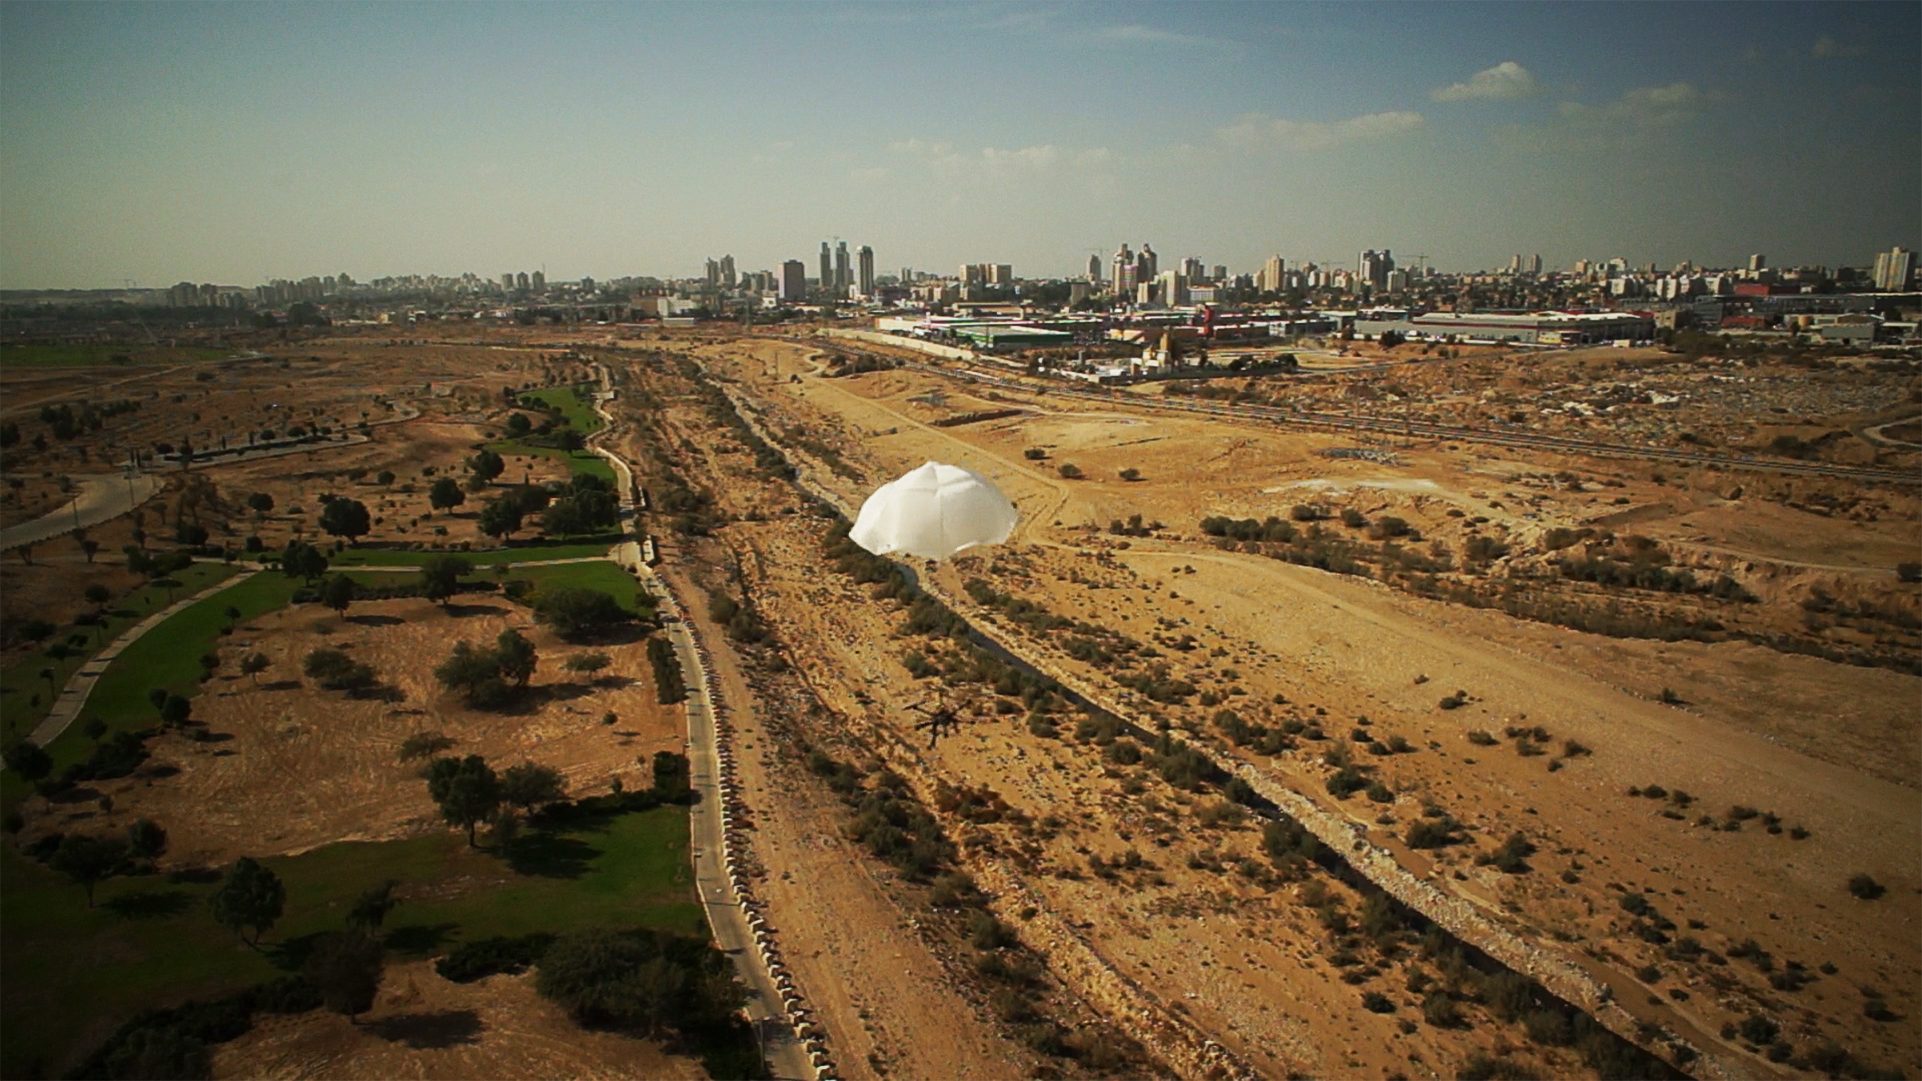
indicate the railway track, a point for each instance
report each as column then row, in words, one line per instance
column 1409, row 428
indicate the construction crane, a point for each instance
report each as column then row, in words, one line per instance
column 1421, row 263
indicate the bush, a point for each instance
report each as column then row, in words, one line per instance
column 1865, row 887
column 1376, row 1002
column 489, row 956
column 1481, row 739
column 576, row 613
column 1439, row 1009
column 1069, row 470
column 1758, row 1029
column 1034, row 454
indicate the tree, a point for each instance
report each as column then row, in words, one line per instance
column 336, row 671
column 345, row 518
column 345, row 968
column 1068, row 470
column 501, row 517
column 146, row 839
column 175, row 711
column 570, row 440
column 384, row 478
column 372, row 906
column 446, row 494
column 576, row 613
column 90, row 547
column 88, row 860
column 1131, row 474
column 254, row 664
column 476, row 673
column 605, row 978
column 487, row 465
column 515, row 656
column 440, row 577
column 29, row 761
column 466, row 791
column 251, row 896
column 528, row 785
column 337, row 593
column 518, row 425
column 672, row 776
column 261, row 504
column 302, row 560
column 98, row 595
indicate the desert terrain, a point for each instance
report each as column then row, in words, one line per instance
column 1275, row 750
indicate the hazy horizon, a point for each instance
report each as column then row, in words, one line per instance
column 239, row 143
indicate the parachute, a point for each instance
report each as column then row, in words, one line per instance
column 933, row 512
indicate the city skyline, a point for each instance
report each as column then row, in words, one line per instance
column 240, row 144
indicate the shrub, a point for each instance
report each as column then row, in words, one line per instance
column 1034, row 454
column 1481, row 739
column 488, row 956
column 1376, row 1002
column 1865, row 887
column 1069, row 470
column 1758, row 1029
column 1439, row 1009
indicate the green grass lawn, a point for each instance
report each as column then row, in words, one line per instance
column 362, row 557
column 168, row 656
column 21, row 683
column 563, row 400
column 72, row 975
column 579, row 462
column 83, row 356
column 604, row 575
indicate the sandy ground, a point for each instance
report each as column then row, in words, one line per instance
column 300, row 767
column 423, row 1026
column 1825, row 746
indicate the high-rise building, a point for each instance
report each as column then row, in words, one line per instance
column 1272, row 280
column 713, row 274
column 1221, row 272
column 794, row 278
column 842, row 279
column 1147, row 264
column 1373, row 267
column 507, row 281
column 1894, row 269
column 1515, row 263
column 728, row 274
column 540, row 281
column 1094, row 268
column 1192, row 269
column 999, row 273
column 1758, row 263
column 865, row 265
column 521, row 282
column 1173, row 287
column 1124, row 272
column 1535, row 264
column 827, row 268
column 907, row 275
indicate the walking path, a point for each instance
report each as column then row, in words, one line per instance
column 80, row 687
column 740, row 932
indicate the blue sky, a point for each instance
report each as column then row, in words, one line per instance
column 237, row 142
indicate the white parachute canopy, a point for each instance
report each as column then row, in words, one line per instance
column 933, row 512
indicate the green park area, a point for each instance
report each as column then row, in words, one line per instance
column 571, row 411
column 73, row 974
column 26, row 694
column 90, row 356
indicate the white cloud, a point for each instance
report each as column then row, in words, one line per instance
column 1256, row 131
column 1646, row 106
column 1138, row 34
column 1502, row 82
column 1827, row 48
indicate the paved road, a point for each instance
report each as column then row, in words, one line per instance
column 101, row 498
column 786, row 1057
column 108, row 496
column 74, row 697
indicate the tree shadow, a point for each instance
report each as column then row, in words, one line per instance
column 467, row 611
column 430, row 1031
column 77, row 794
column 419, row 937
column 158, row 771
column 290, row 955
column 281, row 685
column 200, row 875
column 374, row 620
column 550, row 855
column 149, row 904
